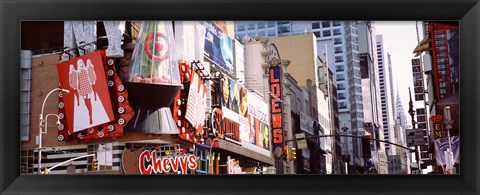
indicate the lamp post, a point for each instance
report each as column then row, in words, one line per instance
column 41, row 124
column 448, row 124
column 345, row 150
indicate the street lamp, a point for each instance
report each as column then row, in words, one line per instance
column 41, row 122
column 448, row 124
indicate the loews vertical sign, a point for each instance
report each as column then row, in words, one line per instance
column 276, row 106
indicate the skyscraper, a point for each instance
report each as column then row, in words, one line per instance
column 386, row 89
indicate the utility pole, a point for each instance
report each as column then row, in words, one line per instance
column 412, row 113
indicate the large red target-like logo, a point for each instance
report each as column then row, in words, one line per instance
column 157, row 46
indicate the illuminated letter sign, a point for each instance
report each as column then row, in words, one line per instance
column 276, row 106
column 438, row 131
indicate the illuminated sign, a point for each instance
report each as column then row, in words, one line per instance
column 438, row 131
column 276, row 106
column 149, row 163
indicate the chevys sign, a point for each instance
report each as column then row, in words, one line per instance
column 143, row 161
column 149, row 163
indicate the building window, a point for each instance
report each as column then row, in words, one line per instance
column 338, row 50
column 326, row 24
column 261, row 25
column 317, row 34
column 341, row 86
column 251, row 26
column 340, row 77
column 342, row 105
column 421, row 118
column 315, row 25
column 337, row 41
column 271, row 23
column 326, row 33
column 337, row 32
column 241, row 27
column 261, row 33
column 354, row 31
column 271, row 33
column 338, row 58
column 340, row 68
column 252, row 34
column 420, row 111
column 342, row 96
column 336, row 23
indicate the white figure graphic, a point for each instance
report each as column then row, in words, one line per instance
column 83, row 80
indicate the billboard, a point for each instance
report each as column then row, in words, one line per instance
column 88, row 104
column 306, row 123
column 276, row 106
column 218, row 47
column 258, row 121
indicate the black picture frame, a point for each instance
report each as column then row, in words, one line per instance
column 13, row 12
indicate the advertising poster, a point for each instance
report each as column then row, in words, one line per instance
column 258, row 120
column 88, row 103
column 231, row 95
column 442, row 151
column 218, row 47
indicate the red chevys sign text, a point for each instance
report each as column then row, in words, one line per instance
column 149, row 163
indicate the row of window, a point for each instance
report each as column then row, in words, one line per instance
column 327, row 33
column 325, row 24
column 251, row 26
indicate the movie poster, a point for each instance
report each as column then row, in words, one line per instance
column 88, row 103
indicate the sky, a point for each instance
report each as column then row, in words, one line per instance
column 399, row 39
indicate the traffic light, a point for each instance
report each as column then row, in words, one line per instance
column 291, row 153
column 94, row 164
column 284, row 154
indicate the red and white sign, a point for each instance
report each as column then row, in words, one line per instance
column 97, row 105
column 149, row 163
column 88, row 103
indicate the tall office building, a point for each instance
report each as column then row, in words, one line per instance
column 338, row 45
column 384, row 75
